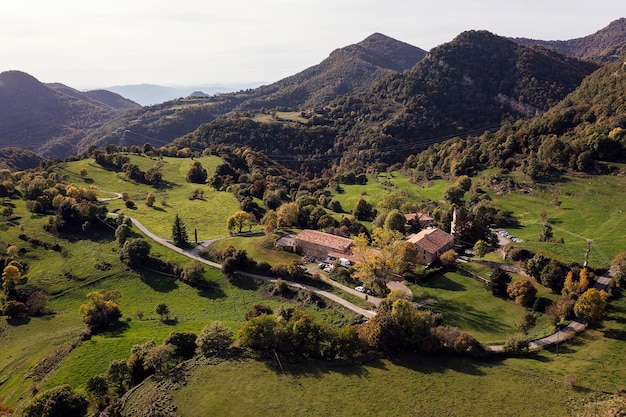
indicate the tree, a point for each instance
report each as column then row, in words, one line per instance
column 15, row 310
column 516, row 343
column 197, row 174
column 500, row 279
column 287, row 214
column 523, row 292
column 618, row 267
column 97, row 390
column 162, row 310
column 11, row 277
column 193, row 272
column 37, row 303
column 481, row 248
column 591, row 305
column 546, row 233
column 150, row 199
column 259, row 333
column 448, row 258
column 395, row 221
column 376, row 266
column 135, row 251
column 184, row 344
column 179, row 233
column 101, row 309
column 239, row 220
column 118, row 376
column 160, row 358
column 57, row 402
column 257, row 310
column 526, row 322
column 362, row 210
column 122, row 233
column 215, row 339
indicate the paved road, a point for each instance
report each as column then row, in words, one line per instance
column 193, row 254
column 570, row 330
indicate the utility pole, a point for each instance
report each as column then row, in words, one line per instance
column 589, row 241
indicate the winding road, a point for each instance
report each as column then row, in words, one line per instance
column 566, row 333
column 194, row 254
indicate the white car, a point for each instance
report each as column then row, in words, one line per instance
column 360, row 288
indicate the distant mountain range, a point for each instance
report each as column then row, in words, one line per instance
column 370, row 96
column 150, row 94
column 604, row 46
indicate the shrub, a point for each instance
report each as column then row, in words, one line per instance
column 215, row 339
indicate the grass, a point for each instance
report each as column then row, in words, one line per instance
column 258, row 248
column 466, row 304
column 580, row 209
column 405, row 386
column 207, row 216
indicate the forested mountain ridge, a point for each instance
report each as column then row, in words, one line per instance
column 347, row 70
column 474, row 83
column 351, row 69
column 48, row 119
column 580, row 133
column 604, row 46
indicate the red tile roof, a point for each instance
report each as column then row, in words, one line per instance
column 332, row 242
column 432, row 240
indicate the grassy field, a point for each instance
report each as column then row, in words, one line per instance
column 207, row 216
column 405, row 386
column 258, row 248
column 466, row 304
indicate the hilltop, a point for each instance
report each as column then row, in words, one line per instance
column 474, row 83
column 50, row 119
column 606, row 45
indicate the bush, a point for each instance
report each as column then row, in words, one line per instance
column 215, row 339
column 517, row 343
column 58, row 401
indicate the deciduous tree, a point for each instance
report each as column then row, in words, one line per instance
column 101, row 309
column 287, row 214
column 215, row 339
column 239, row 220
column 162, row 310
column 56, row 402
column 591, row 305
column 523, row 292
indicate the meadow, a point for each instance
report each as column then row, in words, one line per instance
column 207, row 216
column 585, row 208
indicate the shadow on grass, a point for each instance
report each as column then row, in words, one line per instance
column 158, row 209
column 298, row 367
column 615, row 334
column 115, row 331
column 18, row 321
column 442, row 282
column 212, row 291
column 431, row 364
column 467, row 317
column 244, row 283
column 158, row 282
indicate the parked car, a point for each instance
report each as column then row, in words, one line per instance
column 360, row 288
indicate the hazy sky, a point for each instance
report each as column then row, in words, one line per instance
column 91, row 44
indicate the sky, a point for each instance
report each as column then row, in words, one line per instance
column 99, row 44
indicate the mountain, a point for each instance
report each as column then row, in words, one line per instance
column 349, row 70
column 606, row 45
column 474, row 83
column 15, row 159
column 150, row 94
column 50, row 119
column 581, row 133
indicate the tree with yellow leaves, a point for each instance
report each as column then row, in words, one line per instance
column 377, row 263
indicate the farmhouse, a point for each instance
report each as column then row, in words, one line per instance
column 320, row 245
column 423, row 220
column 431, row 243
